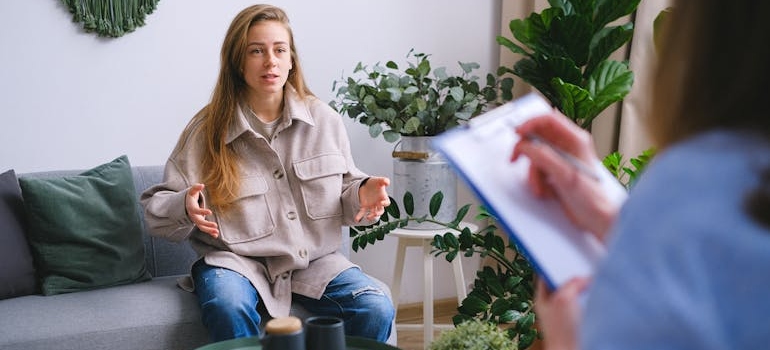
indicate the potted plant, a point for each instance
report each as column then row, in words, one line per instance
column 411, row 106
column 473, row 335
column 413, row 102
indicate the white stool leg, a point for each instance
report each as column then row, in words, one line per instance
column 398, row 271
column 457, row 266
column 427, row 307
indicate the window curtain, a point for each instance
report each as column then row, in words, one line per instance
column 621, row 126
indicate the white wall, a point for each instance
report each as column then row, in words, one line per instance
column 71, row 100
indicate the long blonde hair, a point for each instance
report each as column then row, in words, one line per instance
column 219, row 160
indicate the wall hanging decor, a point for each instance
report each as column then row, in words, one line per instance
column 110, row 18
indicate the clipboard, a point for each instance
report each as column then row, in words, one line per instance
column 480, row 154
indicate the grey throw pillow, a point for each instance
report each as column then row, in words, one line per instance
column 17, row 272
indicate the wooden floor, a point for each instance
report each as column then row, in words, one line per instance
column 443, row 311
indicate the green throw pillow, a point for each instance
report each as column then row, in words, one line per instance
column 85, row 230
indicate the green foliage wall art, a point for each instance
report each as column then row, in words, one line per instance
column 110, row 18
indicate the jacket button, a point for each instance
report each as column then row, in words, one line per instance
column 303, row 253
column 285, row 275
column 278, row 174
column 291, row 215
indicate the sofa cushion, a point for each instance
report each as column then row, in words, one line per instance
column 85, row 230
column 17, row 275
column 150, row 315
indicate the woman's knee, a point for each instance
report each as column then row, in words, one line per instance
column 375, row 304
column 225, row 292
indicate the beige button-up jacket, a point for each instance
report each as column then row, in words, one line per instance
column 297, row 192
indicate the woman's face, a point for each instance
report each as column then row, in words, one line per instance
column 268, row 58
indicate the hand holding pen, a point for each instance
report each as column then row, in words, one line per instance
column 562, row 167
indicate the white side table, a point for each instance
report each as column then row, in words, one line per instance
column 423, row 238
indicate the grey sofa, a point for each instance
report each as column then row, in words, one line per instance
column 156, row 314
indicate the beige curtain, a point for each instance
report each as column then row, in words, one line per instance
column 619, row 127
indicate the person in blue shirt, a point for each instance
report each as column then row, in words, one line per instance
column 689, row 252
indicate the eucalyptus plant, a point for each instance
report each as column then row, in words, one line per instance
column 418, row 100
column 566, row 52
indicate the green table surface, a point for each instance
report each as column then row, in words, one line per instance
column 252, row 343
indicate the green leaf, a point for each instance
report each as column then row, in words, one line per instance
column 526, row 339
column 423, row 68
column 500, row 306
column 435, row 203
column 505, row 42
column 529, row 31
column 573, row 33
column 375, row 130
column 395, row 93
column 451, row 240
column 412, row 125
column 469, row 66
column 457, row 93
column 392, row 209
column 461, row 214
column 610, row 10
column 526, row 322
column 509, row 316
column 607, row 41
column 473, row 305
column 391, row 65
column 391, row 136
column 577, row 103
column 409, row 203
column 611, row 82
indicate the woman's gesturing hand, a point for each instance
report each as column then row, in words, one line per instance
column 374, row 198
column 198, row 213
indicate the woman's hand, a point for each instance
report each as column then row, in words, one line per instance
column 551, row 176
column 198, row 213
column 558, row 313
column 373, row 197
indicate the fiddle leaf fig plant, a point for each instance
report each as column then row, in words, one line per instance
column 418, row 100
column 566, row 52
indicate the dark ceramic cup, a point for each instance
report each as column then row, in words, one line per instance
column 324, row 333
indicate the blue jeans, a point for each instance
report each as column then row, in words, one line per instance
column 229, row 303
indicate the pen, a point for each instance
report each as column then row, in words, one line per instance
column 569, row 158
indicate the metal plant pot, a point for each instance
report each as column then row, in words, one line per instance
column 422, row 171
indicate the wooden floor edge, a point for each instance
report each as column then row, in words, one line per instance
column 412, row 312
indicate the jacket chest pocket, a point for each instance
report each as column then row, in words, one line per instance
column 321, row 184
column 249, row 218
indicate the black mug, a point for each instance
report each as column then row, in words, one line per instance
column 284, row 334
column 324, row 333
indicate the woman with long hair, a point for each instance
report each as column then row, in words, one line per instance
column 261, row 182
